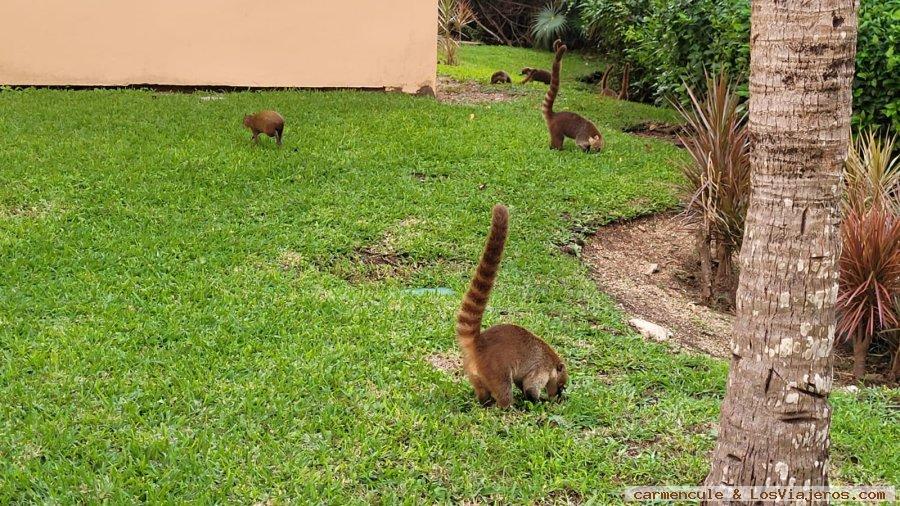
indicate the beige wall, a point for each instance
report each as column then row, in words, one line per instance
column 302, row 43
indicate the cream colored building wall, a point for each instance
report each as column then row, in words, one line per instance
column 266, row 43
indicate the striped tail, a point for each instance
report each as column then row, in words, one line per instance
column 547, row 106
column 468, row 321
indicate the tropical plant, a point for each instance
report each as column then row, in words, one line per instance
column 550, row 23
column 453, row 16
column 869, row 279
column 871, row 245
column 718, row 180
column 871, row 174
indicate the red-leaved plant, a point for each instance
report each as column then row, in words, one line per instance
column 869, row 279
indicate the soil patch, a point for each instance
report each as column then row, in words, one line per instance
column 447, row 363
column 649, row 265
column 471, row 92
column 384, row 258
column 664, row 131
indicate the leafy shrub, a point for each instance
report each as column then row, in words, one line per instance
column 670, row 43
column 677, row 40
column 718, row 178
column 605, row 23
column 876, row 91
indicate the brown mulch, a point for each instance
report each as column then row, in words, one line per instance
column 471, row 92
column 620, row 257
column 663, row 131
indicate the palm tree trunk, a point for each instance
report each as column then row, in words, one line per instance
column 775, row 418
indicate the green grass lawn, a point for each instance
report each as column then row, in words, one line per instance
column 186, row 317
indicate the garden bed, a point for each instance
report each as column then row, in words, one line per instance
column 649, row 265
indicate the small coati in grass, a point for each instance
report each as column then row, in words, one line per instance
column 538, row 75
column 503, row 354
column 567, row 124
column 500, row 77
column 267, row 122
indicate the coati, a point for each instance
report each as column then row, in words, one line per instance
column 500, row 77
column 609, row 92
column 268, row 122
column 539, row 75
column 567, row 124
column 623, row 92
column 503, row 354
column 604, row 89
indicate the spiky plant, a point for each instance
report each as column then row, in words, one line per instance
column 871, row 175
column 550, row 23
column 718, row 179
column 453, row 16
column 870, row 279
column 870, row 289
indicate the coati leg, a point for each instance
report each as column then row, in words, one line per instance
column 256, row 137
column 502, row 393
column 533, row 384
column 481, row 392
column 556, row 140
column 278, row 135
column 527, row 79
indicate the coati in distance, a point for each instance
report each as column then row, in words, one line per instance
column 567, row 124
column 503, row 353
column 604, row 89
column 609, row 92
column 268, row 122
column 535, row 75
column 500, row 77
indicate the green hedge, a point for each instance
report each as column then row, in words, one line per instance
column 669, row 42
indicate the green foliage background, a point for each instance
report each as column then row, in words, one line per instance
column 671, row 42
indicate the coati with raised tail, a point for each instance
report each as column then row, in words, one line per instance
column 267, row 122
column 500, row 77
column 623, row 92
column 541, row 76
column 503, row 354
column 605, row 90
column 567, row 124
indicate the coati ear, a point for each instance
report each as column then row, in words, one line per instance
column 560, row 366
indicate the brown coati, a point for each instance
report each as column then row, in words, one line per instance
column 605, row 90
column 623, row 92
column 567, row 124
column 268, row 122
column 503, row 354
column 500, row 77
column 539, row 75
